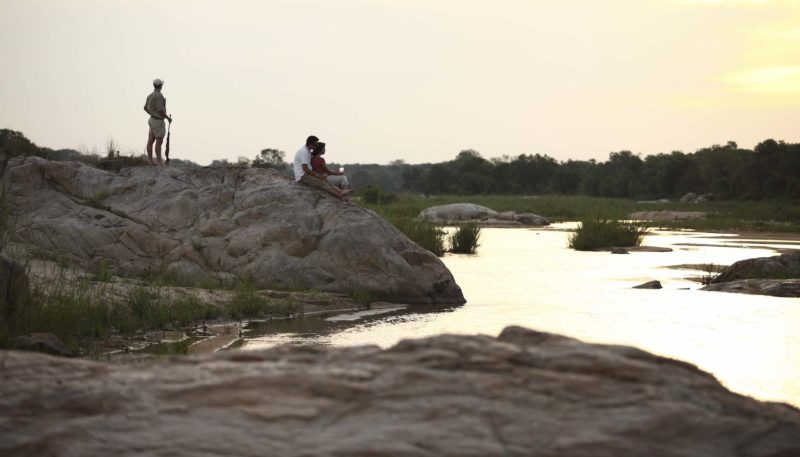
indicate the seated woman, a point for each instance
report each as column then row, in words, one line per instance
column 336, row 178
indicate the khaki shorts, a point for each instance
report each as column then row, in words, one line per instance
column 158, row 127
column 317, row 183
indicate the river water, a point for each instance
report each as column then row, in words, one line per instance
column 529, row 277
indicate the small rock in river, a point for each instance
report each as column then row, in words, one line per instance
column 649, row 285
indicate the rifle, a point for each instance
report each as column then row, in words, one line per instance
column 166, row 150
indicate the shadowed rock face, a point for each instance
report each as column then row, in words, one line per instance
column 524, row 393
column 218, row 223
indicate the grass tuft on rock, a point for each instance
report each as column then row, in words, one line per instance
column 465, row 239
column 598, row 233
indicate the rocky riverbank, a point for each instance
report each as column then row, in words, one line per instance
column 522, row 393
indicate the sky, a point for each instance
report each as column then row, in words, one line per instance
column 412, row 80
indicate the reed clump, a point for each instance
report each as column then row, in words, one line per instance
column 465, row 240
column 598, row 233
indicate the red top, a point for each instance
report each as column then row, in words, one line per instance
column 318, row 165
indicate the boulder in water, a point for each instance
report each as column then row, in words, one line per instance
column 782, row 266
column 456, row 213
column 649, row 285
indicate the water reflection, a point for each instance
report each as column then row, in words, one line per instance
column 528, row 277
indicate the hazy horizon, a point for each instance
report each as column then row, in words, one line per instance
column 382, row 80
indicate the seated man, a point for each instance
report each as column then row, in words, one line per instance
column 304, row 174
column 336, row 178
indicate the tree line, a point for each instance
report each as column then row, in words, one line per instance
column 771, row 170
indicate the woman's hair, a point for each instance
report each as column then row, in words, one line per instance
column 319, row 148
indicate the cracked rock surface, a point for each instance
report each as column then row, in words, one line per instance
column 523, row 393
column 217, row 223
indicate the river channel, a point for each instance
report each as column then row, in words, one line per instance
column 529, row 277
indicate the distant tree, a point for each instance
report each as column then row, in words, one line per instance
column 15, row 144
column 439, row 180
column 767, row 147
column 363, row 178
column 270, row 158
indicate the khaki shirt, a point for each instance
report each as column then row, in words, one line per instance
column 156, row 105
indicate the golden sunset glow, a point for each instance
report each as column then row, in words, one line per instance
column 779, row 80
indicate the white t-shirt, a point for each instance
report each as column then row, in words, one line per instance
column 302, row 156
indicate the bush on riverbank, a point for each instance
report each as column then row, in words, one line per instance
column 404, row 217
column 372, row 195
column 596, row 233
column 423, row 233
column 465, row 239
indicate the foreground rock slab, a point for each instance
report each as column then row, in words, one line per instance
column 524, row 393
column 217, row 224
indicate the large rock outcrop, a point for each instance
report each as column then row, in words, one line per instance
column 524, row 393
column 217, row 223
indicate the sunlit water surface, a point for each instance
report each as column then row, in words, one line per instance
column 529, row 277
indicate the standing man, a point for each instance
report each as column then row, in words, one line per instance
column 304, row 174
column 156, row 107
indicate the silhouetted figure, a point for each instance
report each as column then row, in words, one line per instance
column 156, row 107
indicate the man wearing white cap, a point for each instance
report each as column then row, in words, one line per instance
column 156, row 107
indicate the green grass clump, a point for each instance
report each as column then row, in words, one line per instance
column 425, row 234
column 596, row 233
column 247, row 302
column 82, row 311
column 372, row 195
column 402, row 213
column 363, row 297
column 465, row 239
